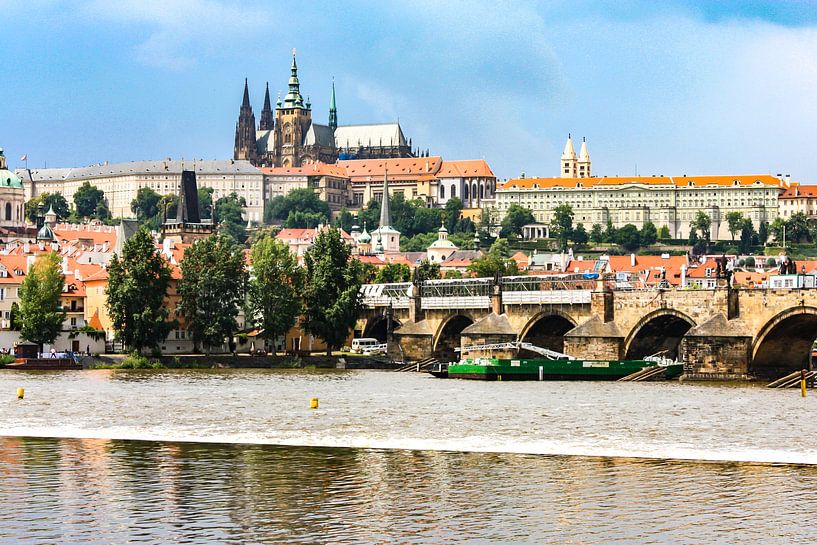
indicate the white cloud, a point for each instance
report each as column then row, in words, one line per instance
column 179, row 31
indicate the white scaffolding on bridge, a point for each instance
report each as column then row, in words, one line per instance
column 552, row 354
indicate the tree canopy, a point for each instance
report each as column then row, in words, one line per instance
column 40, row 204
column 211, row 289
column 393, row 272
column 304, row 202
column 496, row 262
column 562, row 224
column 40, row 309
column 332, row 291
column 137, row 285
column 275, row 288
column 89, row 202
column 515, row 218
column 229, row 219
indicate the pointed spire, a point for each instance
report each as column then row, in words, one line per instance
column 333, row 109
column 583, row 154
column 246, row 102
column 385, row 207
column 267, row 122
column 294, row 98
column 570, row 151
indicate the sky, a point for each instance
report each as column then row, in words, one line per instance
column 672, row 87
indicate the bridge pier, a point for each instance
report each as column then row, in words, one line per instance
column 717, row 349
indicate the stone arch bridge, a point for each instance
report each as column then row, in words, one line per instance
column 717, row 333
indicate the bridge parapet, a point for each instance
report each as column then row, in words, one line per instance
column 395, row 295
column 456, row 293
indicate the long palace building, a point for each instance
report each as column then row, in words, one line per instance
column 673, row 201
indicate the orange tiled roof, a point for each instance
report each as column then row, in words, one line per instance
column 399, row 169
column 311, row 169
column 461, row 169
column 800, row 191
column 95, row 321
column 677, row 181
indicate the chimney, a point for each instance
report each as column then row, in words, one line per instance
column 76, row 275
column 64, row 265
column 632, row 260
column 683, row 275
column 166, row 246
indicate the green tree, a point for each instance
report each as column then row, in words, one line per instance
column 332, row 291
column 747, row 236
column 87, row 198
column 453, row 274
column 778, row 230
column 102, row 211
column 749, row 262
column 494, row 263
column 596, row 234
column 137, row 285
column 649, row 234
column 610, row 232
column 303, row 220
column 702, row 224
column 40, row 309
column 275, row 287
column 427, row 271
column 797, row 228
column 628, row 237
column 40, row 204
column 562, row 224
column 298, row 200
column 211, row 290
column 146, row 204
column 417, row 243
column 515, row 218
column 393, row 272
column 580, row 236
column 205, row 195
column 229, row 219
column 734, row 220
column 345, row 220
column 663, row 233
column 453, row 211
column 763, row 232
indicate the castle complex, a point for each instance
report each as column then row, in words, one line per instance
column 290, row 138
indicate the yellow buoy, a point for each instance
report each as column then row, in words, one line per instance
column 21, row 393
column 313, row 403
column 803, row 382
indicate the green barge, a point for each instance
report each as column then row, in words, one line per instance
column 554, row 369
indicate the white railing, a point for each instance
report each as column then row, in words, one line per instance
column 571, row 297
column 476, row 301
column 396, row 295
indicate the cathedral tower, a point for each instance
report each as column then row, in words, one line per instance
column 292, row 120
column 245, row 147
column 569, row 160
column 267, row 122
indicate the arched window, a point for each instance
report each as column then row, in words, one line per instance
column 442, row 191
column 465, row 192
column 481, row 191
column 474, row 191
column 8, row 211
column 453, row 191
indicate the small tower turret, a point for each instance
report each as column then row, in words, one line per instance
column 333, row 109
column 569, row 160
column 267, row 120
column 584, row 161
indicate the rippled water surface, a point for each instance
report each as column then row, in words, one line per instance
column 238, row 457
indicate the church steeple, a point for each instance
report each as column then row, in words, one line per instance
column 333, row 109
column 385, row 207
column 584, row 160
column 245, row 145
column 267, row 121
column 569, row 160
column 294, row 98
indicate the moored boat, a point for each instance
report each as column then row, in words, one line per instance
column 554, row 366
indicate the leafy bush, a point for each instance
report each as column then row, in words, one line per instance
column 136, row 361
column 6, row 359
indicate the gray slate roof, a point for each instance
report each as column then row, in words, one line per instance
column 320, row 135
column 144, row 167
column 493, row 324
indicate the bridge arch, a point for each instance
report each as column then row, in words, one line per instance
column 547, row 329
column 784, row 343
column 377, row 327
column 447, row 337
column 658, row 331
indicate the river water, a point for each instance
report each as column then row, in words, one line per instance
column 237, row 456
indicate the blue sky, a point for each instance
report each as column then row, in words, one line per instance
column 672, row 87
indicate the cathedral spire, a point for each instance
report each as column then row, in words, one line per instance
column 267, row 121
column 569, row 159
column 294, row 98
column 333, row 109
column 246, row 102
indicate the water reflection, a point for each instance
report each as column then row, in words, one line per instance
column 113, row 491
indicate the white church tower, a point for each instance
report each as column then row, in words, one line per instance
column 584, row 161
column 569, row 161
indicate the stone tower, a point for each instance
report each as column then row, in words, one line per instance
column 292, row 120
column 584, row 160
column 245, row 147
column 569, row 160
column 267, row 120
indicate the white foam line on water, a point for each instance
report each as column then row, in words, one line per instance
column 468, row 444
